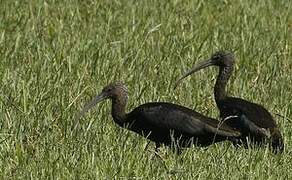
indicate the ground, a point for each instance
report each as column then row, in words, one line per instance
column 56, row 55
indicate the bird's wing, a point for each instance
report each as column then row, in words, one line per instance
column 250, row 114
column 254, row 128
column 239, row 121
column 181, row 119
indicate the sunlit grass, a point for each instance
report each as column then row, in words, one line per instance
column 56, row 55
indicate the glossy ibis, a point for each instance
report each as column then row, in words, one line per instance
column 162, row 122
column 251, row 119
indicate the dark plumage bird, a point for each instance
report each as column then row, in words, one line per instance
column 251, row 119
column 161, row 122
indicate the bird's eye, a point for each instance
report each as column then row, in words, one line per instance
column 107, row 90
column 218, row 56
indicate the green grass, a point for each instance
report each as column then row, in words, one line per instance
column 57, row 55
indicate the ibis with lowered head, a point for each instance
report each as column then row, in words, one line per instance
column 162, row 122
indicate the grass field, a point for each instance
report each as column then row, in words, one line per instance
column 57, row 55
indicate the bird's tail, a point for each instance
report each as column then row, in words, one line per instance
column 277, row 141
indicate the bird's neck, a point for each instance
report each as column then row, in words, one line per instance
column 221, row 82
column 118, row 109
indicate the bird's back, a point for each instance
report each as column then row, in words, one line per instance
column 158, row 119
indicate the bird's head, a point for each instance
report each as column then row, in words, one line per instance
column 112, row 91
column 220, row 58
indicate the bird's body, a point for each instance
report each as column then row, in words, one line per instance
column 252, row 120
column 166, row 123
column 163, row 123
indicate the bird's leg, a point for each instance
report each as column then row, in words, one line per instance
column 237, row 143
column 157, row 146
column 177, row 150
column 147, row 145
column 245, row 142
column 156, row 150
column 175, row 147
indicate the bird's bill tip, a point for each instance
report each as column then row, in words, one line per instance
column 177, row 82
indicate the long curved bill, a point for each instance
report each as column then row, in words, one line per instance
column 102, row 96
column 91, row 104
column 199, row 66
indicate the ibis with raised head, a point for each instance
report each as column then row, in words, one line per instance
column 251, row 119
